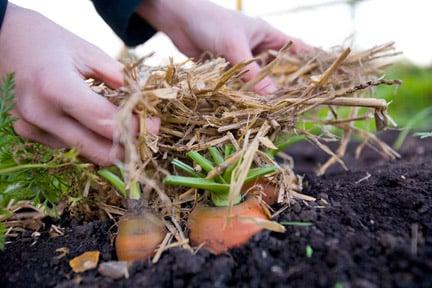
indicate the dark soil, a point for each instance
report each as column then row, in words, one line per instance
column 365, row 237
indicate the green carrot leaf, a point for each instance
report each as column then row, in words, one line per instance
column 186, row 168
column 216, row 155
column 205, row 164
column 256, row 173
column 199, row 183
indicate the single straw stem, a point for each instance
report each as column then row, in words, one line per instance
column 343, row 101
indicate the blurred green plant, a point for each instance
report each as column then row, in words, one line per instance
column 410, row 105
column 424, row 135
column 412, row 97
column 31, row 171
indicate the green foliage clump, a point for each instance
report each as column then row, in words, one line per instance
column 219, row 185
column 31, row 171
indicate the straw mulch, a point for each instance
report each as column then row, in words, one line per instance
column 206, row 103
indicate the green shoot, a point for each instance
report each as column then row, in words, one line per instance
column 203, row 162
column 134, row 189
column 228, row 150
column 256, row 173
column 309, row 251
column 421, row 116
column 114, row 180
column 119, row 184
column 2, row 236
column 283, row 141
column 199, row 183
column 297, row 223
column 216, row 155
column 424, row 135
column 219, row 186
column 186, row 168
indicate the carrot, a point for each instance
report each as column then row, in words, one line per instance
column 139, row 232
column 210, row 225
column 213, row 225
column 138, row 236
column 266, row 188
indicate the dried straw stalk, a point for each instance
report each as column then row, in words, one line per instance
column 203, row 104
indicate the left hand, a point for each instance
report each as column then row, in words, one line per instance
column 198, row 26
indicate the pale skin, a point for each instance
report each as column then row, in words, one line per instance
column 54, row 105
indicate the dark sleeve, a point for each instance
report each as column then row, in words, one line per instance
column 121, row 17
column 3, row 5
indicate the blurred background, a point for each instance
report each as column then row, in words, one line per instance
column 324, row 23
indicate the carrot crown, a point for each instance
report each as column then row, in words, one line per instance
column 215, row 174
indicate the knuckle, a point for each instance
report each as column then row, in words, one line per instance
column 23, row 129
column 28, row 110
column 44, row 86
column 101, row 159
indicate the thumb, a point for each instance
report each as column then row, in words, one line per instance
column 239, row 52
column 104, row 68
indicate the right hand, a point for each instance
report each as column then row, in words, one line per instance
column 54, row 105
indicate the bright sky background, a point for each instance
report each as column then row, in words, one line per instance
column 375, row 22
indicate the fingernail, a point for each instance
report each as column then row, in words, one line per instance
column 269, row 89
column 153, row 124
column 266, row 86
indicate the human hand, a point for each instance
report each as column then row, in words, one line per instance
column 54, row 105
column 199, row 26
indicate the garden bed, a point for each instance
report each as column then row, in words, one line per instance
column 375, row 231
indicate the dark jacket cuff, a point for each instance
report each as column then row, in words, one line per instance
column 121, row 17
column 3, row 5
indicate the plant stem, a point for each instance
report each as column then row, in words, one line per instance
column 31, row 166
column 186, row 168
column 256, row 173
column 114, row 180
column 134, row 188
column 134, row 191
column 228, row 150
column 205, row 164
column 198, row 183
column 216, row 155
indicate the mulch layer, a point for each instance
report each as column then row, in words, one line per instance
column 375, row 231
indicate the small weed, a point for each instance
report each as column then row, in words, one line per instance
column 309, row 251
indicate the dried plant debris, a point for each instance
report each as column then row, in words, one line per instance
column 207, row 104
column 86, row 261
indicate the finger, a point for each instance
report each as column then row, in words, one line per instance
column 153, row 125
column 276, row 39
column 31, row 132
column 239, row 52
column 68, row 131
column 87, row 107
column 103, row 67
column 90, row 145
column 93, row 110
